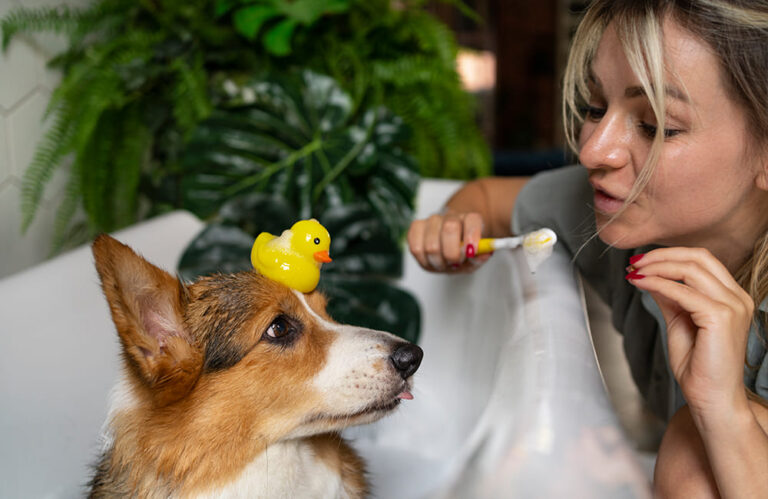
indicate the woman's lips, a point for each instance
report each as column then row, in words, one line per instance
column 607, row 204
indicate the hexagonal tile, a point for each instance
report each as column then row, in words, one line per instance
column 21, row 251
column 43, row 45
column 49, row 78
column 23, row 64
column 25, row 129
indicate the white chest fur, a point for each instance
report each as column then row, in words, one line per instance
column 288, row 469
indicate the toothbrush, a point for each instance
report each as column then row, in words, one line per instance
column 537, row 245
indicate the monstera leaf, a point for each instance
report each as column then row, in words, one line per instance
column 289, row 148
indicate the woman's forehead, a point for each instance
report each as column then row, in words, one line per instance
column 692, row 73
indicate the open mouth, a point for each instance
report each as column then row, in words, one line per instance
column 607, row 204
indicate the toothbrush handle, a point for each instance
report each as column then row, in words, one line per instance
column 485, row 246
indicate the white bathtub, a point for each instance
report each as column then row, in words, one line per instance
column 508, row 401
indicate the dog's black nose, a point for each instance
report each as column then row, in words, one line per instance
column 406, row 359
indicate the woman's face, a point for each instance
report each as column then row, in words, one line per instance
column 706, row 191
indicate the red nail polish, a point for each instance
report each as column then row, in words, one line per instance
column 470, row 251
column 635, row 258
column 634, row 276
column 455, row 266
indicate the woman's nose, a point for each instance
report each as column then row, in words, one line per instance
column 605, row 144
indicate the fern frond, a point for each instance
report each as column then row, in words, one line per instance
column 57, row 142
column 93, row 159
column 433, row 37
column 190, row 94
column 132, row 147
column 66, row 210
column 75, row 110
column 413, row 70
column 59, row 20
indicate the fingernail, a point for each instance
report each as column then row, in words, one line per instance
column 470, row 251
column 455, row 266
column 634, row 276
column 635, row 258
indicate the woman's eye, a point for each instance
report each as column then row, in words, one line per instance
column 592, row 113
column 650, row 131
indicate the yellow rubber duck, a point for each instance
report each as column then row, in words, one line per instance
column 295, row 257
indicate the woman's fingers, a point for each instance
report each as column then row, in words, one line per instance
column 707, row 313
column 700, row 256
column 451, row 239
column 438, row 243
column 681, row 276
column 415, row 239
column 433, row 243
column 473, row 229
column 707, row 302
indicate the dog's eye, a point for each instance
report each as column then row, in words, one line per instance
column 283, row 329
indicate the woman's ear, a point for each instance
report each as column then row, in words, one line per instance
column 761, row 180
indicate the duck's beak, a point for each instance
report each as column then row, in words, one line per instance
column 322, row 256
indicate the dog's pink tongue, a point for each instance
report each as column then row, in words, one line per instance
column 406, row 395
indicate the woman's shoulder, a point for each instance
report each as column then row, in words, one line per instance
column 559, row 199
column 567, row 180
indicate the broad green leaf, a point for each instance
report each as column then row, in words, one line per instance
column 249, row 20
column 224, row 6
column 296, row 136
column 277, row 40
column 288, row 148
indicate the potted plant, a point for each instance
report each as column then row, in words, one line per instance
column 326, row 108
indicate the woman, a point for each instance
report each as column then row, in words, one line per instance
column 666, row 104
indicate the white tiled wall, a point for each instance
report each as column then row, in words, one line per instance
column 25, row 87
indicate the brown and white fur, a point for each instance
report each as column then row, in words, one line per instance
column 237, row 386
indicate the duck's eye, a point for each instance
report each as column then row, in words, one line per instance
column 283, row 329
column 317, row 240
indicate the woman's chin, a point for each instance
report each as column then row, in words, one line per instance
column 618, row 236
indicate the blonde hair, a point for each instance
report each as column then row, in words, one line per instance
column 736, row 30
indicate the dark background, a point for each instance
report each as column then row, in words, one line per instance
column 521, row 115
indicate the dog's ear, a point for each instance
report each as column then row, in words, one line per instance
column 147, row 306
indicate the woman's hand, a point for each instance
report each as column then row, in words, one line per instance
column 708, row 317
column 447, row 242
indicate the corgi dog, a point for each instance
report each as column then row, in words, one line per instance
column 237, row 386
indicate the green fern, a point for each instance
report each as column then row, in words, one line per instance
column 190, row 95
column 123, row 79
column 405, row 60
column 128, row 162
column 54, row 146
column 60, row 20
column 139, row 75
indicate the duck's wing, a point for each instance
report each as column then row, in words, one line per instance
column 261, row 253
